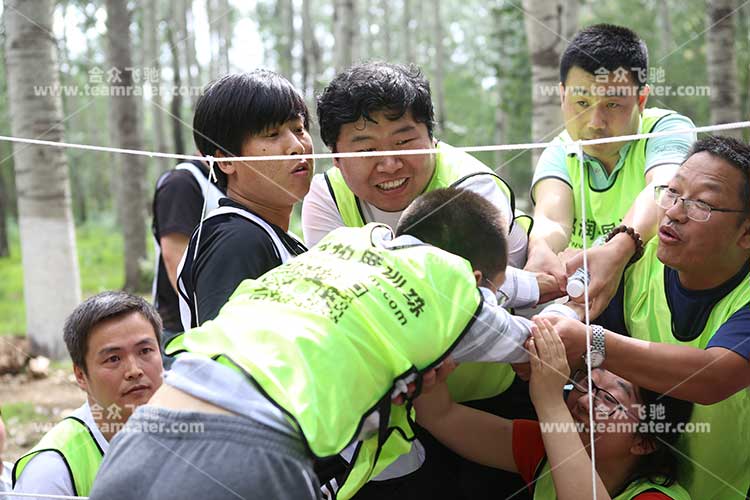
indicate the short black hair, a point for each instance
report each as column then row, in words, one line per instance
column 606, row 46
column 460, row 222
column 100, row 308
column 662, row 417
column 734, row 152
column 364, row 89
column 236, row 106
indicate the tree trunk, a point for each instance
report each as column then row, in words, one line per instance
column 722, row 64
column 543, row 20
column 570, row 18
column 344, row 25
column 385, row 29
column 175, row 107
column 4, row 204
column 48, row 248
column 127, row 121
column 409, row 44
column 225, row 35
column 665, row 28
column 311, row 51
column 192, row 68
column 439, row 67
column 285, row 39
column 152, row 48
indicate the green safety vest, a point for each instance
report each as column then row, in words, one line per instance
column 648, row 317
column 75, row 443
column 469, row 381
column 544, row 487
column 326, row 336
column 605, row 209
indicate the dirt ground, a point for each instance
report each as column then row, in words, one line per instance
column 32, row 405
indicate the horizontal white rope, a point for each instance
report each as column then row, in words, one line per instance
column 399, row 152
column 11, row 494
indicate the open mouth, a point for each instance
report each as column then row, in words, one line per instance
column 668, row 235
column 391, row 185
column 301, row 167
column 136, row 390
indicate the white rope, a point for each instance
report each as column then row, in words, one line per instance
column 365, row 154
column 9, row 494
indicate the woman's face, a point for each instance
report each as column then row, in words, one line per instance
column 617, row 412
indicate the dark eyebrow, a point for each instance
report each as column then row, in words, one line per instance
column 109, row 350
column 361, row 138
column 627, row 388
column 405, row 128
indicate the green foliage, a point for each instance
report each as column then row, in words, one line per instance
column 21, row 412
column 100, row 260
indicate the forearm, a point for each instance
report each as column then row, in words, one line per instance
column 643, row 213
column 684, row 372
column 473, row 434
column 548, row 233
column 569, row 463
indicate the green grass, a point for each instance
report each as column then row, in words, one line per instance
column 100, row 260
column 15, row 413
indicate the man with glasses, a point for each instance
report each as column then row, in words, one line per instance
column 683, row 310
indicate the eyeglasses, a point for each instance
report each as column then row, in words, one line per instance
column 606, row 403
column 696, row 210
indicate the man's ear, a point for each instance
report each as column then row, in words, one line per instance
column 744, row 239
column 227, row 167
column 80, row 378
column 642, row 445
column 478, row 276
column 643, row 97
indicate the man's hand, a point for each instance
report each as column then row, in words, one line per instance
column 606, row 264
column 543, row 260
column 573, row 336
column 430, row 379
column 549, row 288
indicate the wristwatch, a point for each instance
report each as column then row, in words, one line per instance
column 597, row 346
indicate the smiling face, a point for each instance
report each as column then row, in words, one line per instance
column 123, row 363
column 272, row 183
column 594, row 108
column 693, row 248
column 389, row 183
column 617, row 441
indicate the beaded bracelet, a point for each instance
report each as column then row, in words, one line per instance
column 633, row 234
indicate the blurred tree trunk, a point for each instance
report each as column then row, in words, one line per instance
column 543, row 20
column 571, row 15
column 285, row 40
column 4, row 203
column 175, row 108
column 722, row 64
column 152, row 61
column 225, row 34
column 192, row 68
column 48, row 248
column 665, row 28
column 385, row 29
column 409, row 48
column 311, row 54
column 439, row 66
column 344, row 32
column 125, row 113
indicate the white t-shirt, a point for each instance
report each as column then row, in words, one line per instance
column 6, row 483
column 47, row 473
column 320, row 215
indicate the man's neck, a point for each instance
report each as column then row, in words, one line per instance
column 277, row 215
column 702, row 279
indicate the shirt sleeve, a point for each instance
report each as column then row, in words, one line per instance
column 520, row 287
column 670, row 149
column 528, row 448
column 494, row 336
column 45, row 473
column 733, row 335
column 178, row 203
column 320, row 215
column 238, row 251
column 486, row 187
column 551, row 163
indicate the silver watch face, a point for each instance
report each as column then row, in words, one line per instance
column 597, row 359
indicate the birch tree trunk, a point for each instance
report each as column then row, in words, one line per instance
column 48, row 247
column 439, row 66
column 192, row 68
column 543, row 20
column 310, row 51
column 722, row 64
column 125, row 115
column 344, row 26
column 285, row 40
column 385, row 29
column 409, row 43
column 152, row 58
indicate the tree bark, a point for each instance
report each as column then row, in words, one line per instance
column 409, row 44
column 543, row 20
column 285, row 38
column 48, row 248
column 665, row 28
column 344, row 32
column 439, row 66
column 4, row 203
column 152, row 49
column 385, row 29
column 175, row 107
column 571, row 10
column 192, row 68
column 125, row 113
column 722, row 64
